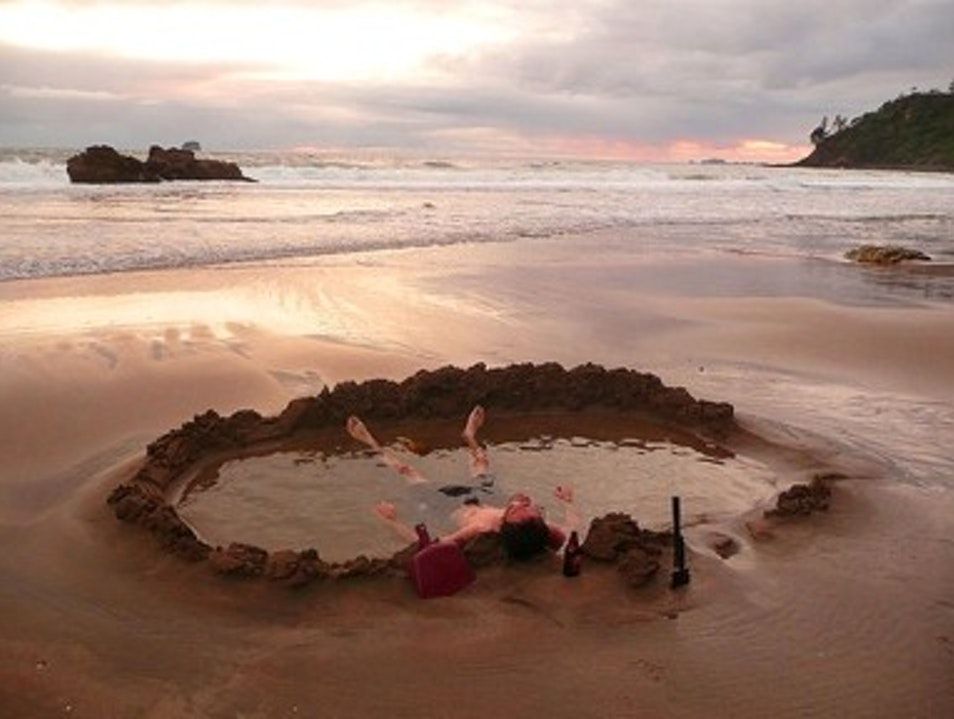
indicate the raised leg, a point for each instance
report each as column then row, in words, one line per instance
column 357, row 429
column 479, row 464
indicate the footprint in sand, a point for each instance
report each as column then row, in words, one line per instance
column 112, row 359
column 158, row 350
column 649, row 669
column 532, row 606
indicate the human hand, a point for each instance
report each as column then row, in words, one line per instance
column 564, row 494
column 386, row 511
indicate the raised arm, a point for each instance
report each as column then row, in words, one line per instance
column 571, row 516
column 360, row 432
column 388, row 514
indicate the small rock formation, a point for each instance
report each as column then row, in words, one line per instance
column 802, row 499
column 884, row 254
column 616, row 537
column 239, row 560
column 192, row 145
column 613, row 535
column 101, row 164
column 443, row 393
column 722, row 544
column 637, row 566
column 173, row 164
column 760, row 529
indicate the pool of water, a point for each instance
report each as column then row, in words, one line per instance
column 312, row 497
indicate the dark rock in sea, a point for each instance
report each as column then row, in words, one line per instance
column 802, row 499
column 884, row 254
column 173, row 164
column 101, row 164
column 192, row 145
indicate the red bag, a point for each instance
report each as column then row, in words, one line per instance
column 439, row 569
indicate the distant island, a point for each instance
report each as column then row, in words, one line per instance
column 912, row 132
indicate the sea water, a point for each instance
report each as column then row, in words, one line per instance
column 314, row 204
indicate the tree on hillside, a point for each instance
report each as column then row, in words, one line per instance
column 821, row 132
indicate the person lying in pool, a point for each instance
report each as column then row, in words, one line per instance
column 520, row 521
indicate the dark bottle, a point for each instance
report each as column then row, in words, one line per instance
column 423, row 538
column 572, row 556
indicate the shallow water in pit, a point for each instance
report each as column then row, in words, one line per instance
column 311, row 498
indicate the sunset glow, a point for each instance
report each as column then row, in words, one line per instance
column 361, row 43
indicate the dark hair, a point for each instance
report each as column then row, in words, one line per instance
column 523, row 540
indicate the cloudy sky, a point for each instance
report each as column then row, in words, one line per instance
column 639, row 79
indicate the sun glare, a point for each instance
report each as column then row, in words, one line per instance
column 365, row 42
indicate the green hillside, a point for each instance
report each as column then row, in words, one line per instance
column 913, row 132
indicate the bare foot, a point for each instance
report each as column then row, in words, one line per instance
column 564, row 494
column 386, row 511
column 474, row 422
column 357, row 430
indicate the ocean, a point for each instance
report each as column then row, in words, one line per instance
column 308, row 205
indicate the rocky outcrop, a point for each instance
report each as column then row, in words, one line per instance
column 638, row 567
column 722, row 544
column 612, row 536
column 443, row 393
column 616, row 537
column 176, row 164
column 884, row 254
column 803, row 499
column 102, row 164
column 913, row 132
column 241, row 560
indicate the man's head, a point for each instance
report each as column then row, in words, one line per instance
column 523, row 531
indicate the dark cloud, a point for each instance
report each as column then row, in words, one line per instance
column 648, row 72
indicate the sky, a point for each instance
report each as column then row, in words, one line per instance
column 653, row 80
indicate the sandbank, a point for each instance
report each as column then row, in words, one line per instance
column 847, row 612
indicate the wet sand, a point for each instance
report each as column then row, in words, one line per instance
column 847, row 612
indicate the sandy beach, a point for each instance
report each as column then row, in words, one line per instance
column 846, row 612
